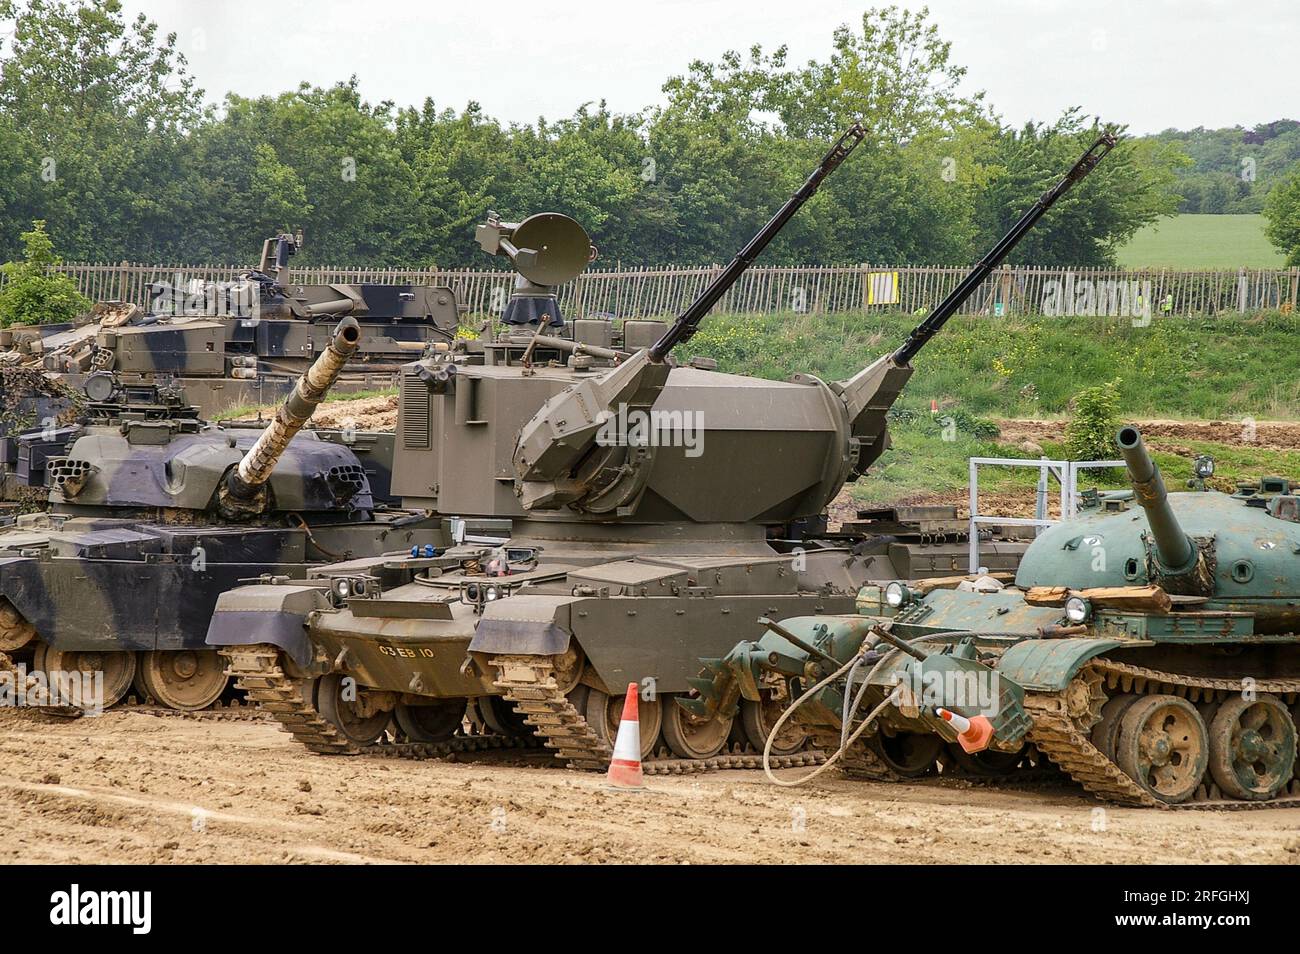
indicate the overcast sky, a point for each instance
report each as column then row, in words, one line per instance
column 1153, row 64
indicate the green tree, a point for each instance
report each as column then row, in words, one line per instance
column 32, row 293
column 894, row 74
column 1282, row 211
column 1132, row 187
column 101, row 107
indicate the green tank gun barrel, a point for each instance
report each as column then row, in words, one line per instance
column 1174, row 548
column 255, row 467
column 971, row 283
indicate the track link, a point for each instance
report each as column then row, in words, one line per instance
column 231, row 712
column 1069, row 745
column 257, row 670
column 529, row 683
column 526, row 681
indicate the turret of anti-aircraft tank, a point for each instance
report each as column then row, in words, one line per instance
column 239, row 343
column 640, row 492
column 152, row 513
column 1148, row 648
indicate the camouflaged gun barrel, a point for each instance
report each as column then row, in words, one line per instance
column 1172, row 544
column 255, row 467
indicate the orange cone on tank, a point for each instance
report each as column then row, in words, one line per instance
column 625, row 766
column 973, row 734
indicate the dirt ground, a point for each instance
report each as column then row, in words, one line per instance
column 363, row 414
column 1268, row 435
column 139, row 788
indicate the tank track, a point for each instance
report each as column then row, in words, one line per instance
column 1057, row 735
column 232, row 711
column 529, row 683
column 257, row 670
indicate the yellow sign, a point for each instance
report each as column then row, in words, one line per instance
column 882, row 288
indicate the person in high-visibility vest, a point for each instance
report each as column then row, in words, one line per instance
column 1167, row 306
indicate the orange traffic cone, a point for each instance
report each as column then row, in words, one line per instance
column 973, row 734
column 625, row 766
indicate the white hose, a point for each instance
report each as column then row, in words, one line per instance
column 771, row 736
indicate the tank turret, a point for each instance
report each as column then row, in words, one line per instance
column 238, row 342
column 560, row 441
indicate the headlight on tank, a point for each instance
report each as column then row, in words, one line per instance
column 1078, row 610
column 344, row 588
column 896, row 595
column 491, row 593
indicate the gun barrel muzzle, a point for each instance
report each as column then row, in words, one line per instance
column 1173, row 546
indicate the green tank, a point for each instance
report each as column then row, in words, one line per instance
column 152, row 513
column 642, row 492
column 1148, row 648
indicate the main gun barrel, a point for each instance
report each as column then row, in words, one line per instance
column 255, row 467
column 1175, row 550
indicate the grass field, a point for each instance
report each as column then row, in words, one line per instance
column 1202, row 241
column 1228, row 368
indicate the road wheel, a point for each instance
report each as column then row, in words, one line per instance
column 691, row 737
column 1106, row 732
column 187, row 679
column 435, row 722
column 758, row 719
column 1163, row 746
column 118, row 668
column 910, row 754
column 341, row 702
column 500, row 716
column 604, row 712
column 1252, row 747
column 15, row 631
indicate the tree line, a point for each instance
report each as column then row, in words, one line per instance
column 106, row 136
column 1234, row 170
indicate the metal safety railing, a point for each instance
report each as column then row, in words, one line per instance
column 1065, row 472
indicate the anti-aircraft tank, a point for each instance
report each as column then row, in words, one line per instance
column 152, row 513
column 1148, row 648
column 640, row 492
column 233, row 344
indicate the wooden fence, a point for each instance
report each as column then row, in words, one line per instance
column 639, row 292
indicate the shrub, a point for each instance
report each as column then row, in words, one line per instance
column 1090, row 435
column 31, row 293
